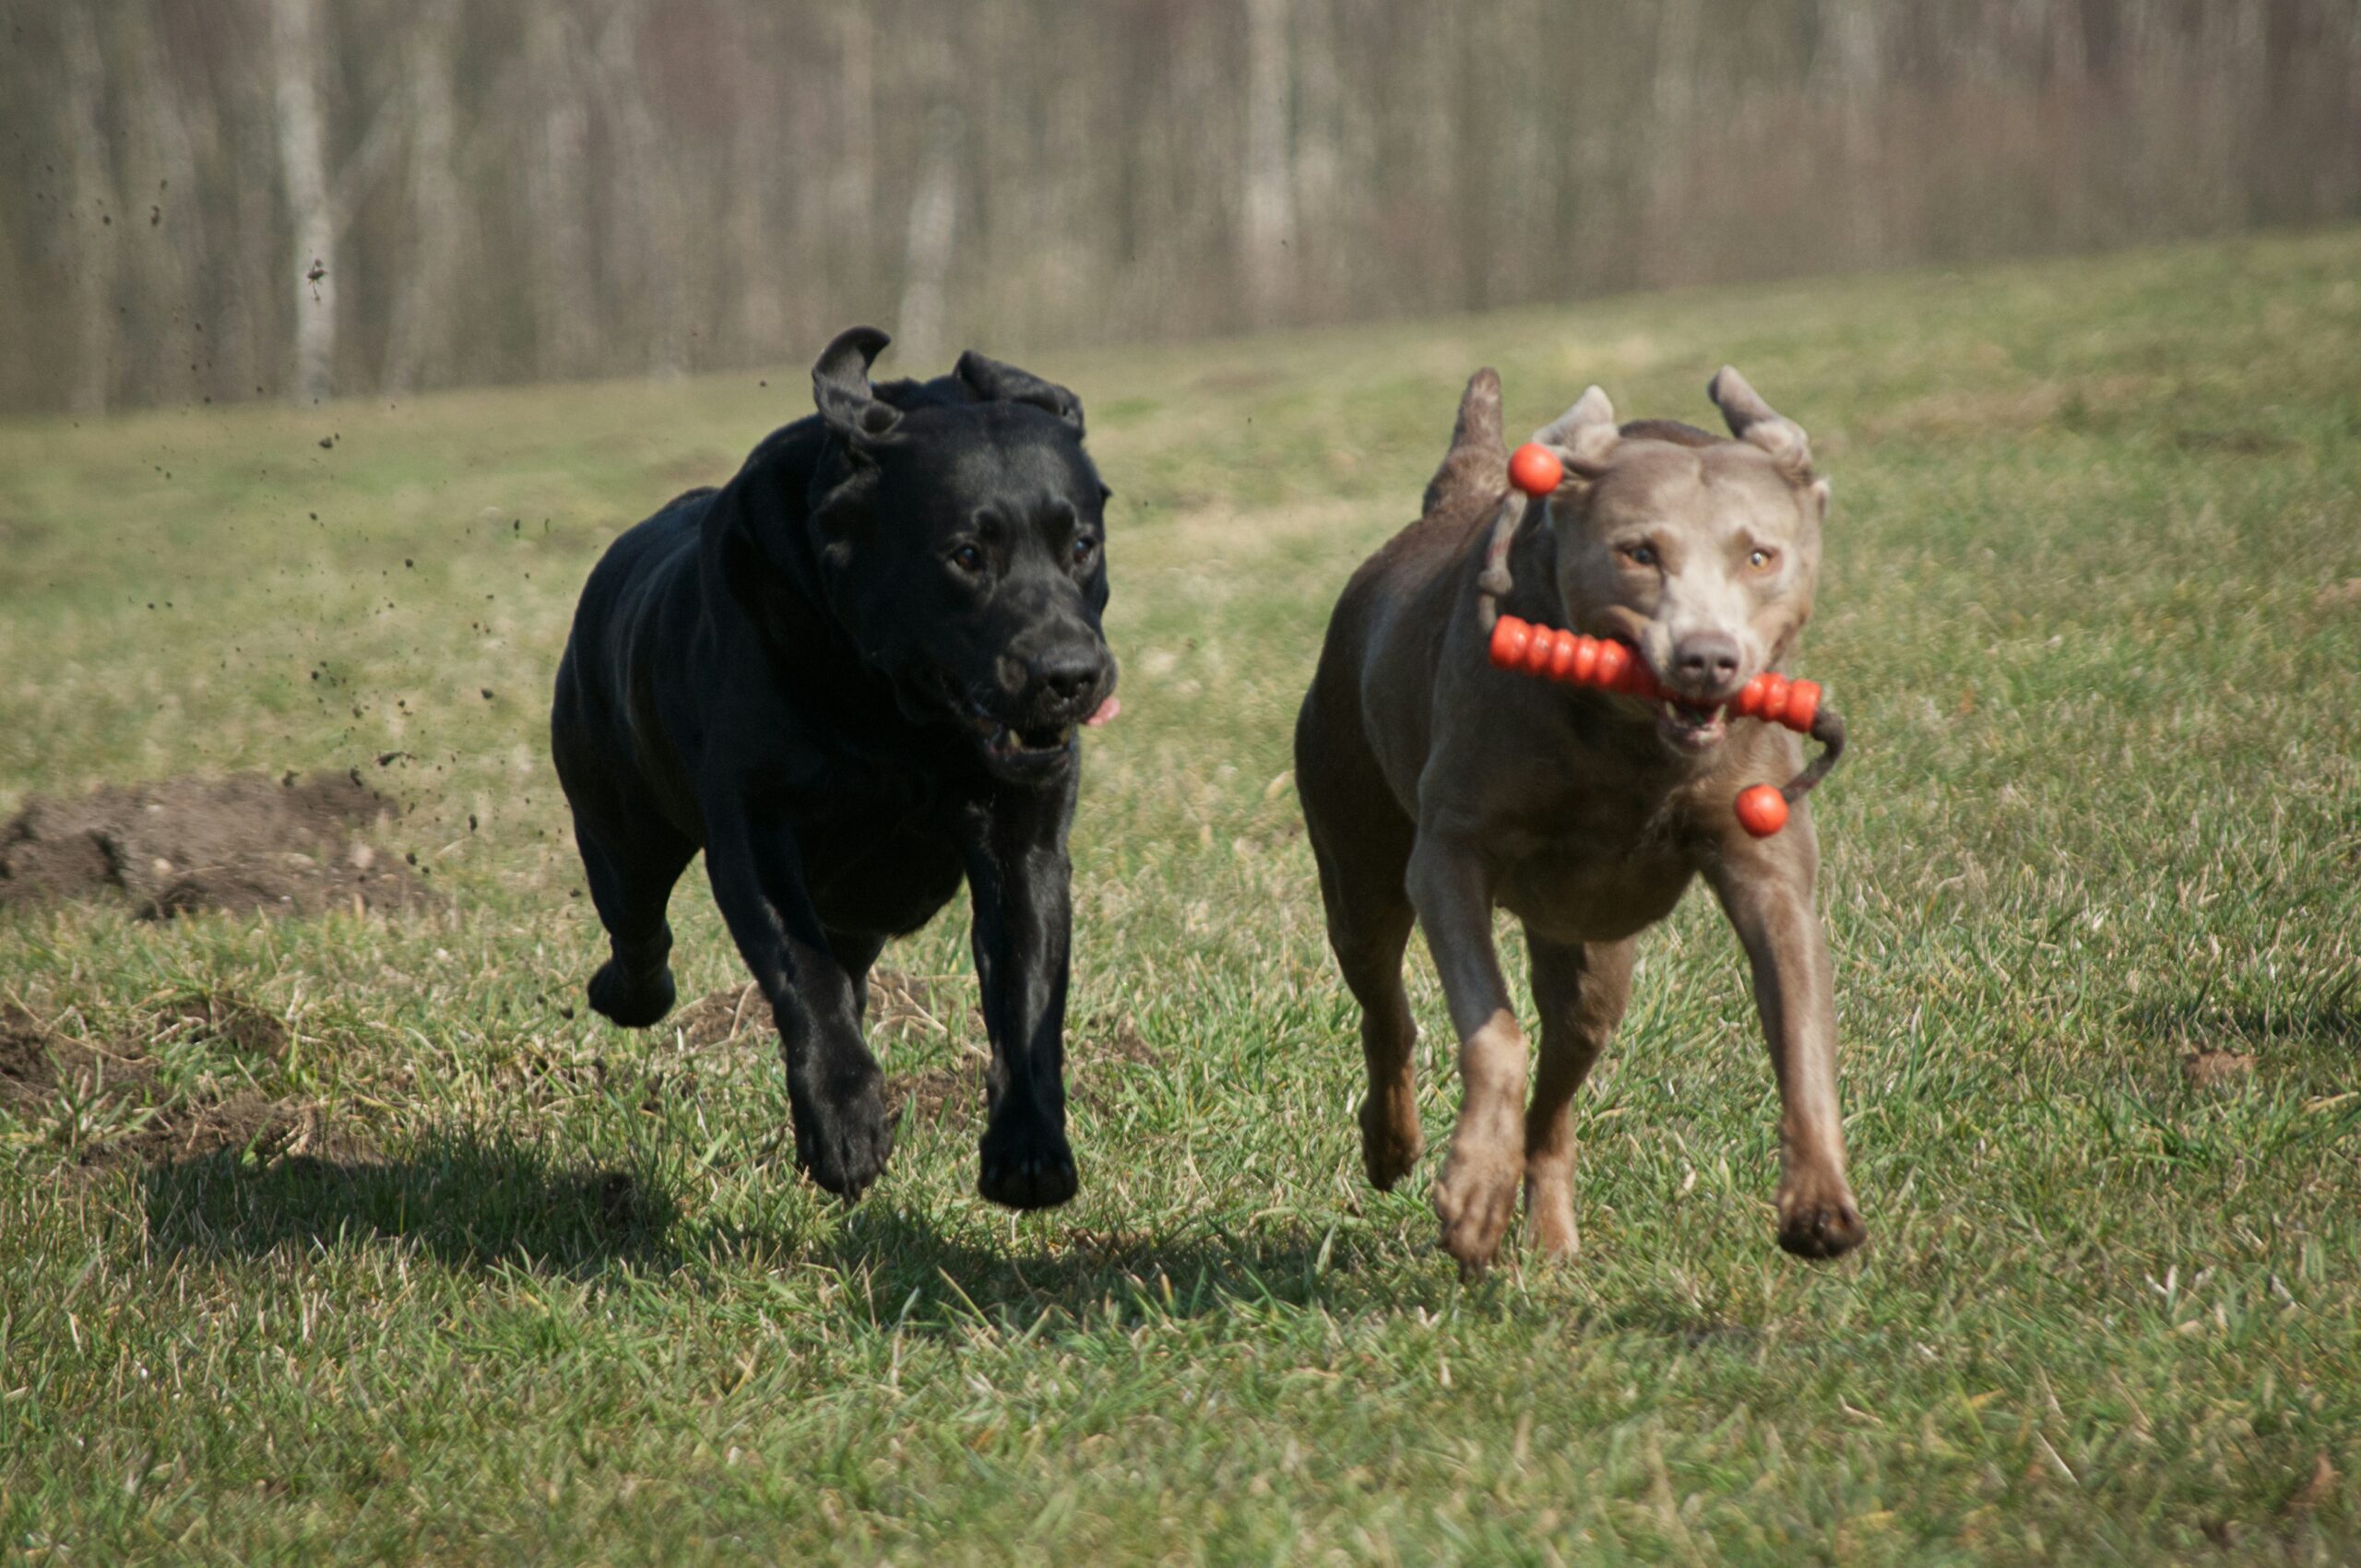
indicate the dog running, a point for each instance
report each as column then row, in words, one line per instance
column 1437, row 787
column 854, row 676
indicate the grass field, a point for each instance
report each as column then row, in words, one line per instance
column 526, row 1288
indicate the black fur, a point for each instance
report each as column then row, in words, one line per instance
column 851, row 675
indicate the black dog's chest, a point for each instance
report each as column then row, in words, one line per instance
column 883, row 873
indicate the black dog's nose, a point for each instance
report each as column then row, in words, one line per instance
column 1071, row 675
column 1706, row 659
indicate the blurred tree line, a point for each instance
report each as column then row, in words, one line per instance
column 225, row 198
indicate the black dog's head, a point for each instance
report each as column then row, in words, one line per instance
column 960, row 529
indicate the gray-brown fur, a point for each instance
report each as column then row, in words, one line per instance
column 1476, row 470
column 1437, row 788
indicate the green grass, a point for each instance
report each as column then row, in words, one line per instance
column 545, row 1290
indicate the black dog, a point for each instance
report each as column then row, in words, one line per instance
column 853, row 676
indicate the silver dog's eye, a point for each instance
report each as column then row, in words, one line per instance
column 1640, row 554
column 967, row 558
column 1760, row 560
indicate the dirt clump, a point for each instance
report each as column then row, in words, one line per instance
column 898, row 1004
column 2236, row 442
column 240, row 844
column 231, row 1020
column 1098, row 1049
column 721, row 1015
column 2216, row 1069
column 107, row 1104
column 937, row 1094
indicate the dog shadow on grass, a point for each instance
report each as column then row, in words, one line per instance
column 951, row 1282
column 474, row 1201
column 467, row 1200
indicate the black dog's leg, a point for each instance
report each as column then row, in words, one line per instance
column 858, row 955
column 842, row 1137
column 630, row 882
column 1020, row 879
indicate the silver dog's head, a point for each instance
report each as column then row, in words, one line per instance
column 1700, row 552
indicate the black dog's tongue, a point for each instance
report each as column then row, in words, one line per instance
column 1104, row 713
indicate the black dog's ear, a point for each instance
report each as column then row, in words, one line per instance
column 840, row 387
column 997, row 383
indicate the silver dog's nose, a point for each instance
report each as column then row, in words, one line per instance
column 1705, row 661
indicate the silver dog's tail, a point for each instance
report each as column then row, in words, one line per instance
column 1476, row 470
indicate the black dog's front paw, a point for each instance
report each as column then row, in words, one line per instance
column 844, row 1145
column 633, row 1003
column 1027, row 1169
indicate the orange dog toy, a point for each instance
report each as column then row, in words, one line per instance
column 1605, row 665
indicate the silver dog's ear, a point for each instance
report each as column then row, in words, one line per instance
column 840, row 388
column 1585, row 437
column 997, row 383
column 1757, row 423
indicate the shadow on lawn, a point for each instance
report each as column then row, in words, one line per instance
column 473, row 1201
column 2326, row 1012
column 466, row 1200
column 1208, row 1269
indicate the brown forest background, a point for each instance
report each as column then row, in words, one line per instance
column 216, row 199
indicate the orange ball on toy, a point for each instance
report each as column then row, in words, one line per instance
column 1761, row 810
column 1536, row 470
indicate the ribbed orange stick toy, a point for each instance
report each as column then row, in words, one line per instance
column 1606, row 665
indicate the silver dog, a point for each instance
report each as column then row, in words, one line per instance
column 1437, row 786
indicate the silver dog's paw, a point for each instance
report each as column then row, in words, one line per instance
column 1550, row 1218
column 1391, row 1144
column 1476, row 1199
column 1816, row 1226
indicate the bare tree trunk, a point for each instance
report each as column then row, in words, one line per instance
column 1318, row 151
column 565, row 287
column 1856, row 67
column 649, row 228
column 1664, row 204
column 421, row 310
column 926, row 256
column 852, row 189
column 1266, row 227
column 96, row 236
column 296, row 53
column 177, row 237
column 758, row 187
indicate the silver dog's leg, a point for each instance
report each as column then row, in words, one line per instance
column 1765, row 888
column 1476, row 1195
column 1581, row 989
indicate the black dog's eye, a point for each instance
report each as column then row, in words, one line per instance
column 1084, row 547
column 969, row 558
